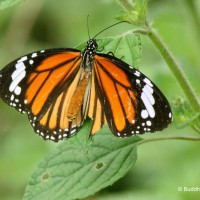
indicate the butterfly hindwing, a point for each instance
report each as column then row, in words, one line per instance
column 54, row 124
column 96, row 111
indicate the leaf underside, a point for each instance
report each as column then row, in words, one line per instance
column 77, row 169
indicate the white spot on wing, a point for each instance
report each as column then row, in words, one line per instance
column 31, row 62
column 133, row 121
column 17, row 80
column 12, row 97
column 42, row 134
column 72, row 131
column 54, row 132
column 148, row 87
column 19, row 68
column 137, row 81
column 53, row 138
column 65, row 135
column 22, row 59
column 34, row 55
column 144, row 114
column 148, row 123
column 137, row 73
column 148, row 105
column 17, row 90
column 147, row 81
column 148, row 92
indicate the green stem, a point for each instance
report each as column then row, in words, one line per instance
column 194, row 15
column 175, row 68
column 126, row 4
column 170, row 138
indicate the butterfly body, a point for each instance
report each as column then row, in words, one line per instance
column 88, row 54
column 60, row 88
column 78, row 97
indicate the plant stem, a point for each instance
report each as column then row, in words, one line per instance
column 194, row 15
column 170, row 138
column 126, row 4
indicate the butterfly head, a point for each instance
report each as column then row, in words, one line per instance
column 92, row 46
column 88, row 54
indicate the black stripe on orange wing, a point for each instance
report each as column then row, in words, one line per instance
column 132, row 103
column 114, row 91
column 95, row 112
column 54, row 124
column 48, row 84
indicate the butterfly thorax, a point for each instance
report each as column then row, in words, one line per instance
column 88, row 55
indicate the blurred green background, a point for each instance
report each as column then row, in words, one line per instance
column 161, row 166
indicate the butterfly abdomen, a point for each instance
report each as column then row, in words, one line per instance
column 78, row 97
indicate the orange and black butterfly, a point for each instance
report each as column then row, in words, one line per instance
column 59, row 88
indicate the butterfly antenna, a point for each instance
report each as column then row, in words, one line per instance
column 108, row 28
column 88, row 26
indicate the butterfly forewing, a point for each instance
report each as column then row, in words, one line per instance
column 132, row 103
column 41, row 84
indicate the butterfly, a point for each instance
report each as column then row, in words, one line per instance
column 59, row 88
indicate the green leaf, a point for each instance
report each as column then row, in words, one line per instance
column 137, row 15
column 126, row 47
column 76, row 169
column 8, row 3
column 184, row 114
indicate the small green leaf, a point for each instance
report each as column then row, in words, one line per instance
column 126, row 47
column 8, row 3
column 137, row 15
column 75, row 170
column 184, row 114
